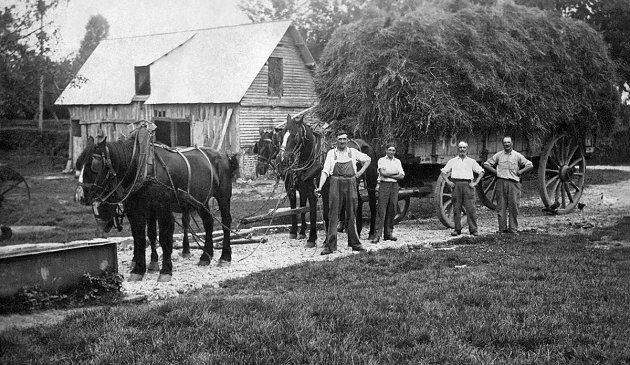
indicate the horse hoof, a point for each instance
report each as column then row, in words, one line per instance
column 371, row 237
column 310, row 244
column 135, row 277
column 222, row 263
column 186, row 255
column 301, row 237
column 292, row 236
column 164, row 278
column 203, row 263
column 154, row 266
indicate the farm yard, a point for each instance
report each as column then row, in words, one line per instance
column 183, row 118
column 278, row 277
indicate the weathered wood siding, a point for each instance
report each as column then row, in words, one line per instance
column 259, row 110
column 206, row 122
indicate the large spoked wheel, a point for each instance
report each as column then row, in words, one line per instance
column 487, row 191
column 561, row 174
column 14, row 189
column 402, row 208
column 443, row 196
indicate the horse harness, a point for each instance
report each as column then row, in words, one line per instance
column 146, row 171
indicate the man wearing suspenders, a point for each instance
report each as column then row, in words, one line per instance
column 341, row 167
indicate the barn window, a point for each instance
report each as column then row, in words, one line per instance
column 143, row 80
column 275, row 77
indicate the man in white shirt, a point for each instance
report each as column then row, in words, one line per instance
column 462, row 169
column 341, row 167
column 390, row 171
column 510, row 165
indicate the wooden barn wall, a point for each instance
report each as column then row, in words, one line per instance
column 255, row 117
column 298, row 93
column 206, row 122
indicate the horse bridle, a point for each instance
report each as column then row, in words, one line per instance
column 275, row 149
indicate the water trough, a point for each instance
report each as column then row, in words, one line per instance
column 54, row 266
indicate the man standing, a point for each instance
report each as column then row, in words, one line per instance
column 341, row 167
column 510, row 165
column 390, row 171
column 462, row 169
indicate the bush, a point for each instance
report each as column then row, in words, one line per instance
column 48, row 142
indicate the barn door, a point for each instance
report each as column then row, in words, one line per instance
column 173, row 132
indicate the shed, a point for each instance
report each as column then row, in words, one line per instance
column 214, row 87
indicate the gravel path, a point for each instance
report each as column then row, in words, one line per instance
column 605, row 205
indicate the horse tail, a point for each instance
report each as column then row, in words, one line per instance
column 233, row 165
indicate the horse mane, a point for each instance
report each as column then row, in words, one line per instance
column 88, row 151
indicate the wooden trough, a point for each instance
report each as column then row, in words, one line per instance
column 54, row 266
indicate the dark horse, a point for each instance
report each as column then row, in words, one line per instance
column 305, row 153
column 153, row 185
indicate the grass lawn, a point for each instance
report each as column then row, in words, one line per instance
column 529, row 299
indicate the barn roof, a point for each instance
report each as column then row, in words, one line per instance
column 215, row 65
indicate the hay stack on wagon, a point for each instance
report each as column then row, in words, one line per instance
column 471, row 69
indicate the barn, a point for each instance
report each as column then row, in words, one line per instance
column 214, row 87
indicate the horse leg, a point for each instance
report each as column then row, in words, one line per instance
column 292, row 204
column 138, row 226
column 373, row 212
column 312, row 203
column 167, row 227
column 208, row 248
column 303, row 197
column 185, row 224
column 152, row 234
column 226, row 222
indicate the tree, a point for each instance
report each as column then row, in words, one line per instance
column 96, row 29
column 18, row 67
column 29, row 80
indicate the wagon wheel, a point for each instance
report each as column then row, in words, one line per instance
column 443, row 196
column 14, row 190
column 561, row 174
column 487, row 190
column 402, row 208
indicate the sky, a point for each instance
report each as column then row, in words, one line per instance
column 137, row 17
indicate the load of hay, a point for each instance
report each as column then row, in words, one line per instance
column 474, row 69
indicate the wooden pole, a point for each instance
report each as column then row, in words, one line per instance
column 228, row 115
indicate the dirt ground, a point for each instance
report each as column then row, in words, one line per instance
column 605, row 205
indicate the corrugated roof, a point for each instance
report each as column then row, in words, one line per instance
column 215, row 65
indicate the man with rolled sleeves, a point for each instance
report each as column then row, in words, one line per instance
column 341, row 167
column 462, row 169
column 390, row 171
column 510, row 165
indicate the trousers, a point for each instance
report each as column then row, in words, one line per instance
column 387, row 200
column 464, row 195
column 342, row 193
column 508, row 195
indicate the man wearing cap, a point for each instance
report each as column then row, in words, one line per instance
column 341, row 167
column 510, row 165
column 462, row 169
column 390, row 171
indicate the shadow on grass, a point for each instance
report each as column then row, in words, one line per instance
column 531, row 298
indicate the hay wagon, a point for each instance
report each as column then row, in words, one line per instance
column 560, row 162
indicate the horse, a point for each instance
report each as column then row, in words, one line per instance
column 300, row 172
column 312, row 152
column 180, row 180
